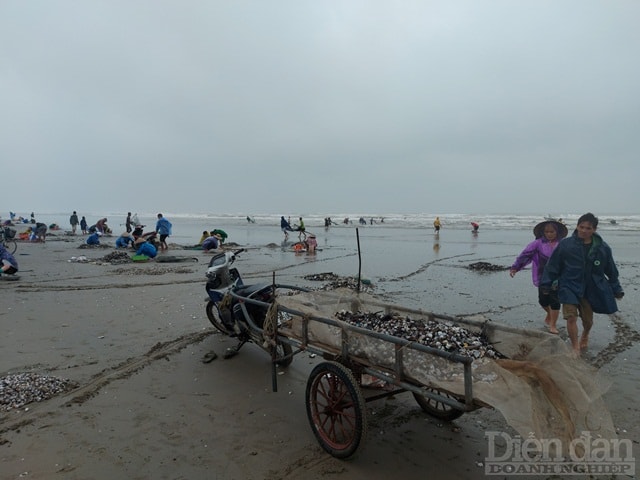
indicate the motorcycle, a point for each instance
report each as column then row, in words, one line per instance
column 238, row 310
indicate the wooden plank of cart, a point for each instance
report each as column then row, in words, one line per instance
column 335, row 402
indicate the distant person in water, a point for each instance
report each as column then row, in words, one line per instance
column 475, row 226
column 285, row 226
column 301, row 229
column 436, row 224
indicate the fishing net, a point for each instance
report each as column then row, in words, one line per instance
column 533, row 381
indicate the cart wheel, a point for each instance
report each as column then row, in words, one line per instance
column 284, row 350
column 214, row 317
column 335, row 408
column 436, row 408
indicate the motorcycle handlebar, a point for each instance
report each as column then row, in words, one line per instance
column 237, row 252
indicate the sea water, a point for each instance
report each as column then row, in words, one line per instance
column 191, row 225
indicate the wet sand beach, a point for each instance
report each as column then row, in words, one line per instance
column 132, row 338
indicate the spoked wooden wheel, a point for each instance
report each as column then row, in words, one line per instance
column 437, row 408
column 335, row 408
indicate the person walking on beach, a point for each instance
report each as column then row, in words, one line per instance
column 83, row 225
column 73, row 220
column 537, row 253
column 163, row 228
column 585, row 275
column 285, row 227
column 475, row 226
column 436, row 224
column 128, row 223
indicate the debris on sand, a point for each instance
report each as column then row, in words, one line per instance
column 486, row 267
column 336, row 281
column 117, row 258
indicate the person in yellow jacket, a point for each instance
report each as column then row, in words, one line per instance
column 436, row 224
column 204, row 236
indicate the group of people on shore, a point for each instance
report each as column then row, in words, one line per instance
column 576, row 273
column 144, row 243
column 15, row 218
column 100, row 226
column 307, row 241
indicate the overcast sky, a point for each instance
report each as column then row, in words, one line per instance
column 267, row 106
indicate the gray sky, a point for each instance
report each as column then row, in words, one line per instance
column 514, row 106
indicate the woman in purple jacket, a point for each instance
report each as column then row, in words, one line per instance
column 548, row 234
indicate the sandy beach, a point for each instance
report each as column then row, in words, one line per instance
column 132, row 337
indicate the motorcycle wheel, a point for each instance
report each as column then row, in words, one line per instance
column 283, row 351
column 214, row 318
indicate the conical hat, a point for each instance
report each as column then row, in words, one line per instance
column 561, row 228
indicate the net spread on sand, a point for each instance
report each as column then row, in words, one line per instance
column 538, row 387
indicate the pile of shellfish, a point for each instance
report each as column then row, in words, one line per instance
column 20, row 389
column 336, row 281
column 117, row 258
column 443, row 336
column 486, row 267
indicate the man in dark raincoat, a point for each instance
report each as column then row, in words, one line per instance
column 583, row 271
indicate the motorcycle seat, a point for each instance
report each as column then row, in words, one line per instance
column 248, row 291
